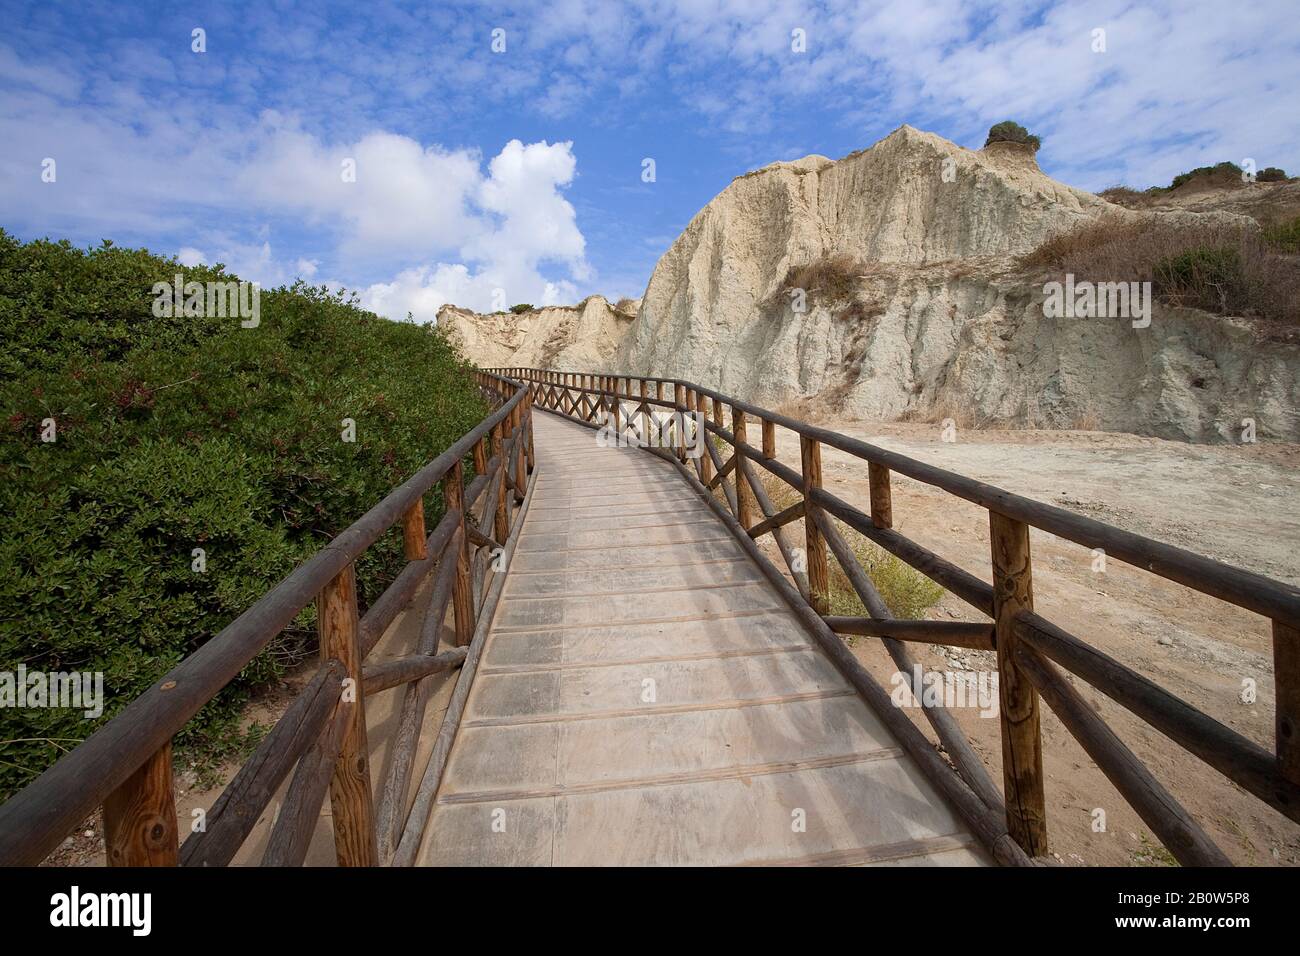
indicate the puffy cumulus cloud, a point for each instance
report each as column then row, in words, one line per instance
column 521, row 221
column 464, row 235
column 537, row 222
column 383, row 194
column 217, row 187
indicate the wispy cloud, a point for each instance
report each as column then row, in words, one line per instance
column 471, row 156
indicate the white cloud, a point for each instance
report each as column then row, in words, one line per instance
column 397, row 196
column 434, row 218
column 518, row 220
column 147, row 140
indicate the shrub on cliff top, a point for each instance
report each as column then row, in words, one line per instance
column 1011, row 132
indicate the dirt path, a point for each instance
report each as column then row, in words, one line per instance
column 1240, row 504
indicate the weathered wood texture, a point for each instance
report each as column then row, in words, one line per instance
column 351, row 800
column 140, row 815
column 644, row 695
column 1022, row 748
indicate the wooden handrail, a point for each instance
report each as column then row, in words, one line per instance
column 1246, row 589
column 130, row 751
column 1022, row 638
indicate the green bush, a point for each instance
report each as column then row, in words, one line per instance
column 1271, row 174
column 183, row 433
column 1011, row 132
column 1220, row 172
column 1284, row 236
column 905, row 591
column 1209, row 277
column 521, row 308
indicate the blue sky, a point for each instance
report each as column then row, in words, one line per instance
column 521, row 169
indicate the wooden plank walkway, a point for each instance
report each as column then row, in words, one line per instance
column 646, row 697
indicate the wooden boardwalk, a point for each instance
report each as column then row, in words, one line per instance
column 637, row 683
column 646, row 697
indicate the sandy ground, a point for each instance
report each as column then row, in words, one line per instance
column 1239, row 504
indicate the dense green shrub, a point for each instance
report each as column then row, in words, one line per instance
column 1271, row 174
column 521, row 307
column 1011, row 132
column 1284, row 236
column 183, row 433
column 1207, row 277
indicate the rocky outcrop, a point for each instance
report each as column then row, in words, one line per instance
column 933, row 315
column 922, row 343
column 582, row 336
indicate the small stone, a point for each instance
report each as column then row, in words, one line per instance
column 1166, row 640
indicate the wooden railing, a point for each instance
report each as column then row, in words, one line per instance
column 667, row 415
column 126, row 765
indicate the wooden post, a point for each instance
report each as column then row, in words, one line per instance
column 351, row 802
column 1022, row 749
column 1286, row 683
column 688, row 403
column 882, row 507
column 818, row 573
column 744, row 495
column 769, row 438
column 521, row 456
column 528, row 422
column 463, row 592
column 501, row 524
column 140, row 816
column 706, row 463
column 481, row 455
column 413, row 534
column 679, row 425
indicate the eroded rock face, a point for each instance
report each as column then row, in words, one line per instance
column 582, row 337
column 937, row 318
column 979, row 350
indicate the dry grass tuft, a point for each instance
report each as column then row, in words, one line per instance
column 833, row 277
column 905, row 591
column 1216, row 267
column 1127, row 197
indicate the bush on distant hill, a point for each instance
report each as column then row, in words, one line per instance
column 1206, row 277
column 1271, row 174
column 521, row 308
column 1219, row 173
column 181, row 433
column 1125, row 196
column 1011, row 132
